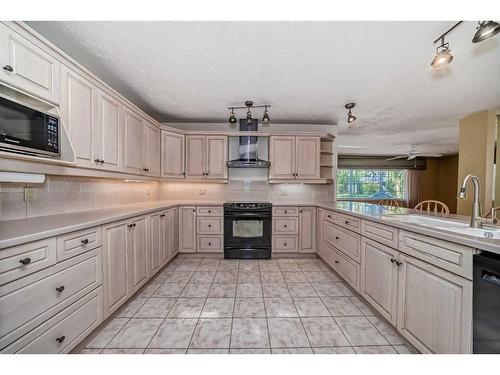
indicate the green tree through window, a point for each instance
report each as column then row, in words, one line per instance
column 371, row 184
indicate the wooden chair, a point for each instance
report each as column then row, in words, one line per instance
column 432, row 206
column 389, row 202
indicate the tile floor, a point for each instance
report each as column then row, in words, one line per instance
column 208, row 305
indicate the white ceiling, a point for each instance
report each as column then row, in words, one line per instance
column 191, row 71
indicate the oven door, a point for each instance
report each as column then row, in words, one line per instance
column 247, row 230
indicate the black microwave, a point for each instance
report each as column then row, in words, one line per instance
column 28, row 131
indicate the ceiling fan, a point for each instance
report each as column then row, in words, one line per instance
column 413, row 154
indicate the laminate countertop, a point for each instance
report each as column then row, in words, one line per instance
column 16, row 232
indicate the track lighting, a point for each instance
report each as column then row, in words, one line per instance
column 443, row 55
column 485, row 30
column 350, row 117
column 266, row 119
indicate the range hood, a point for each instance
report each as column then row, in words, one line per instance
column 248, row 150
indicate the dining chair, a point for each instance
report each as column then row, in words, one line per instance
column 432, row 206
column 389, row 202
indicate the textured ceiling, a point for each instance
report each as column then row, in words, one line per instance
column 191, row 71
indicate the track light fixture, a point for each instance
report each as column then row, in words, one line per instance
column 350, row 117
column 485, row 30
column 266, row 119
column 443, row 55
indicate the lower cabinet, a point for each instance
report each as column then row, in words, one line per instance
column 155, row 243
column 187, row 229
column 307, row 229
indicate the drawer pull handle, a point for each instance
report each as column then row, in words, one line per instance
column 210, row 225
column 210, row 244
column 336, row 262
column 330, row 216
column 346, row 222
column 337, row 238
column 209, row 211
column 25, row 261
column 8, row 68
column 61, row 339
column 284, row 244
column 85, row 241
column 286, row 211
column 284, row 225
column 60, row 289
column 162, row 215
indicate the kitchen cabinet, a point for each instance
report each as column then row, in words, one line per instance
column 27, row 66
column 187, row 229
column 307, row 229
column 435, row 308
column 151, row 149
column 172, row 155
column 108, row 133
column 78, row 99
column 136, row 253
column 379, row 278
column 155, row 243
column 133, row 143
column 206, row 156
column 173, row 232
column 294, row 157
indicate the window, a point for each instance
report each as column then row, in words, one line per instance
column 371, row 184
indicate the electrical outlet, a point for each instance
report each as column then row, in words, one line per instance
column 202, row 192
column 148, row 192
column 283, row 192
column 29, row 194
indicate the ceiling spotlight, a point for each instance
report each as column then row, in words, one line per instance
column 443, row 55
column 232, row 117
column 485, row 30
column 350, row 117
column 266, row 119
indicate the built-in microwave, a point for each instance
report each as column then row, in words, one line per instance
column 27, row 130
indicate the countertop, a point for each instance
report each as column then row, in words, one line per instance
column 15, row 232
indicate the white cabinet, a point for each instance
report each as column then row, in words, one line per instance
column 151, row 149
column 206, row 156
column 307, row 229
column 133, row 143
column 136, row 253
column 173, row 232
column 187, row 229
column 155, row 243
column 379, row 277
column 435, row 308
column 28, row 67
column 172, row 155
column 294, row 157
column 108, row 132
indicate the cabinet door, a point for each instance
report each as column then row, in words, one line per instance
column 307, row 229
column 195, row 156
column 308, row 157
column 78, row 97
column 132, row 160
column 216, row 158
column 154, row 244
column 435, row 308
column 136, row 254
column 165, row 237
column 172, row 155
column 28, row 67
column 115, row 238
column 107, row 132
column 282, row 157
column 379, row 277
column 187, row 229
column 151, row 149
column 175, row 229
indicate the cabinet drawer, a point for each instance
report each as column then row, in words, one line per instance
column 349, row 222
column 344, row 240
column 27, row 302
column 286, row 225
column 449, row 256
column 210, row 244
column 285, row 244
column 345, row 267
column 331, row 217
column 23, row 260
column 381, row 233
column 209, row 211
column 209, row 225
column 79, row 242
column 65, row 330
column 285, row 211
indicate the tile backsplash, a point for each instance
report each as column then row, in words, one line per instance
column 65, row 194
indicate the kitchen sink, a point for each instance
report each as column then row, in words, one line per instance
column 492, row 233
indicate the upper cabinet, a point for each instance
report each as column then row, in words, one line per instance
column 294, row 157
column 28, row 67
column 172, row 155
column 151, row 149
column 107, row 132
column 206, row 156
column 133, row 155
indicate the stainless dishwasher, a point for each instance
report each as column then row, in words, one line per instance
column 486, row 303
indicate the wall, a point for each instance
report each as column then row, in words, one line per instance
column 59, row 194
column 476, row 152
column 497, row 167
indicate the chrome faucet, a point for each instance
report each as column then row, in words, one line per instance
column 476, row 221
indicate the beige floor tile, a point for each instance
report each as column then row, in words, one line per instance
column 249, row 308
column 287, row 333
column 341, row 306
column 195, row 290
column 280, row 308
column 359, row 331
column 89, row 351
column 327, row 290
column 362, row 306
column 249, row 333
column 150, row 288
column 122, row 351
column 225, row 277
column 187, row 308
column 203, row 277
column 295, row 277
column 375, row 350
column 248, row 277
column 174, row 333
column 166, row 351
column 324, row 332
column 169, row 290
column 135, row 334
column 386, row 330
column 249, row 351
column 271, row 277
column 292, row 351
column 218, row 308
column 248, row 290
column 179, row 277
column 104, row 334
column 336, row 350
column 344, row 288
column 404, row 349
column 310, row 307
column 317, row 277
column 131, row 307
column 222, row 290
column 207, row 351
column 276, row 290
column 301, row 290
column 211, row 333
column 155, row 308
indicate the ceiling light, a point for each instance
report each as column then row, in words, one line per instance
column 350, row 117
column 266, row 119
column 443, row 55
column 232, row 118
column 485, row 30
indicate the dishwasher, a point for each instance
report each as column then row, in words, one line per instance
column 486, row 303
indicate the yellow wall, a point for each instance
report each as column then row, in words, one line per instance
column 476, row 151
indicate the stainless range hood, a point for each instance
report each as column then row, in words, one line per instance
column 248, row 150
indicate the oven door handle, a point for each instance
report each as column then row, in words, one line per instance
column 247, row 215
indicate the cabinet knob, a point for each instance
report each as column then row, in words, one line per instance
column 210, row 244
column 286, row 211
column 337, row 238
column 60, row 289
column 300, row 211
column 284, row 225
column 60, row 339
column 209, row 211
column 336, row 262
column 25, row 261
column 8, row 68
column 284, row 244
column 101, row 161
column 329, row 216
column 398, row 263
column 210, row 225
column 346, row 222
column 393, row 260
column 85, row 241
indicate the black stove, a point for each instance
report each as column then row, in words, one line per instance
column 247, row 230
